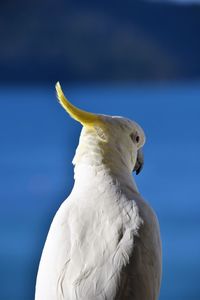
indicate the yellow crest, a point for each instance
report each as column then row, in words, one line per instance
column 85, row 118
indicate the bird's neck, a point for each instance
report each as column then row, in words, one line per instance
column 102, row 165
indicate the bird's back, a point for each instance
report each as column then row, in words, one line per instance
column 101, row 251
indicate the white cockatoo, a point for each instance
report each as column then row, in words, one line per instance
column 104, row 241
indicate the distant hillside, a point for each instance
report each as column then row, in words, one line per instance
column 98, row 40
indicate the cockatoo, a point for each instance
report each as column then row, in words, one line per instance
column 104, row 241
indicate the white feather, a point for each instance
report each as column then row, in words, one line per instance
column 104, row 240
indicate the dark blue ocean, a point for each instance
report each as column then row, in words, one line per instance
column 38, row 141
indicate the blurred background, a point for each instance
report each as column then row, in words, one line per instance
column 139, row 59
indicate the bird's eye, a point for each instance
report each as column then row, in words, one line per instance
column 135, row 138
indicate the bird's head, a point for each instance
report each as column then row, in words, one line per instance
column 121, row 135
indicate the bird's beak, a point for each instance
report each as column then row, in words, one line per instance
column 139, row 162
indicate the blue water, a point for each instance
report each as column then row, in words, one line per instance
column 38, row 141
